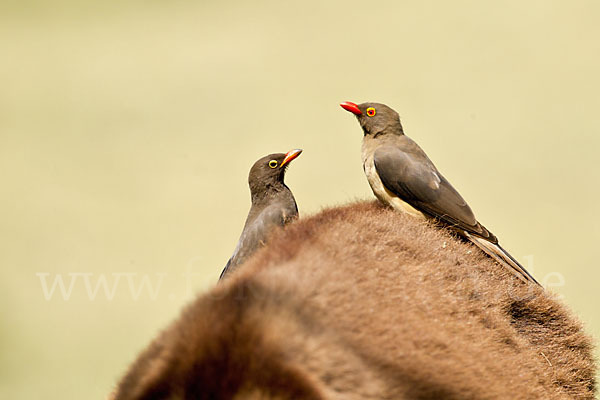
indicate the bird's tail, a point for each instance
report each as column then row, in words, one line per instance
column 502, row 257
column 225, row 270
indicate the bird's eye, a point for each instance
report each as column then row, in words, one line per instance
column 370, row 111
column 273, row 163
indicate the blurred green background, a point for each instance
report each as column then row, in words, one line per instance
column 127, row 130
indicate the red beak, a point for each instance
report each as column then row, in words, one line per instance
column 350, row 106
column 289, row 156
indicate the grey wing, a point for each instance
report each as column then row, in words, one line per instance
column 254, row 235
column 414, row 179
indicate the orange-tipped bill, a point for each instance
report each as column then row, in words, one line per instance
column 289, row 156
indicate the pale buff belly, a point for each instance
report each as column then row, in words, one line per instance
column 384, row 195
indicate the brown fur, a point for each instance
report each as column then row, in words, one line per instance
column 360, row 302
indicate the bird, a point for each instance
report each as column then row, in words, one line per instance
column 403, row 177
column 273, row 205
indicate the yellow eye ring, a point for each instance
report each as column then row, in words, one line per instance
column 273, row 163
column 370, row 111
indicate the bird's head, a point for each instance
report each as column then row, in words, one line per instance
column 270, row 170
column 375, row 118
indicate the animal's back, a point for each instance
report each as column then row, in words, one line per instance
column 360, row 302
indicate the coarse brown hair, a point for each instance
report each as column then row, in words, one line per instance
column 361, row 302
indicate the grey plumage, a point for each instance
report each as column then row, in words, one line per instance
column 273, row 205
column 402, row 176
